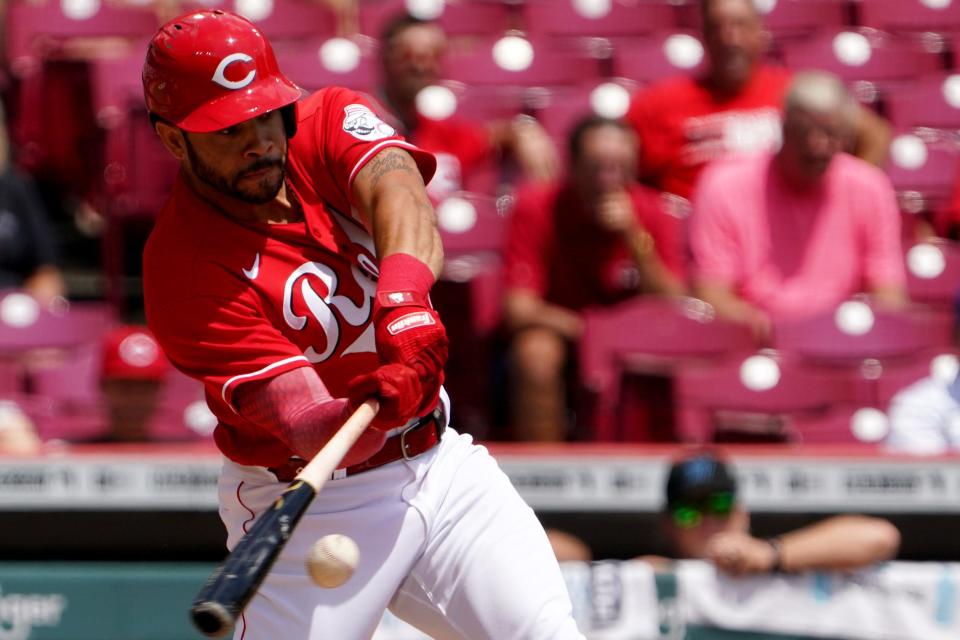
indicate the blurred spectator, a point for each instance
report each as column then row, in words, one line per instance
column 703, row 519
column 797, row 232
column 412, row 52
column 925, row 417
column 593, row 238
column 685, row 122
column 132, row 375
column 28, row 249
column 18, row 435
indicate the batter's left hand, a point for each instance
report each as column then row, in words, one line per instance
column 398, row 389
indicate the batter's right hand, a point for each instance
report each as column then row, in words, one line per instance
column 396, row 386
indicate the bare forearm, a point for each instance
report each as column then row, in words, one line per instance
column 46, row 283
column 403, row 222
column 890, row 297
column 530, row 144
column 726, row 303
column 393, row 201
column 523, row 310
column 732, row 308
column 654, row 275
column 843, row 542
column 873, row 136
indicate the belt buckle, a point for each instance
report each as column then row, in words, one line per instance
column 403, row 441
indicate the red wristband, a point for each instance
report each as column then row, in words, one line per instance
column 404, row 280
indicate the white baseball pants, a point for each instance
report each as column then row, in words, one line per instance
column 446, row 544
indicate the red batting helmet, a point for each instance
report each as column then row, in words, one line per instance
column 209, row 70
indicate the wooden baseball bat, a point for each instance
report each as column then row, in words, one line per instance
column 231, row 586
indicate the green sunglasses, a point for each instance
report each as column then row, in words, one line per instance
column 688, row 515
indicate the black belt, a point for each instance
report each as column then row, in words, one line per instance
column 414, row 440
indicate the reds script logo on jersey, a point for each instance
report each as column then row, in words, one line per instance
column 337, row 301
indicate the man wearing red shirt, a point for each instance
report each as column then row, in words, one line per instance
column 595, row 238
column 412, row 52
column 684, row 123
column 290, row 272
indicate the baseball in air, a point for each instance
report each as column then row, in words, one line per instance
column 332, row 560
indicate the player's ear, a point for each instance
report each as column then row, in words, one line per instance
column 172, row 139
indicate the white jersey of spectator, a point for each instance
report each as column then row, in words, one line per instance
column 925, row 417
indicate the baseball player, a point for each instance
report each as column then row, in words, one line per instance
column 290, row 271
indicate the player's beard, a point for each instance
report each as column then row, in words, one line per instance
column 265, row 190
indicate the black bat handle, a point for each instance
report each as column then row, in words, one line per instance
column 229, row 588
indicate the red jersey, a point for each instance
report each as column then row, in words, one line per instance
column 682, row 126
column 232, row 301
column 556, row 250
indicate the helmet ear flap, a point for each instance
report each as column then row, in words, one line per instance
column 289, row 115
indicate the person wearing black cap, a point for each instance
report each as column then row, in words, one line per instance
column 704, row 520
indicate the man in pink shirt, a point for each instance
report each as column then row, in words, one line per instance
column 794, row 233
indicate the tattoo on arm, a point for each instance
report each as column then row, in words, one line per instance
column 388, row 160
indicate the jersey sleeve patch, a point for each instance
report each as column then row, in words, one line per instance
column 363, row 124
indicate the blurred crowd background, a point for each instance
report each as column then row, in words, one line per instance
column 664, row 221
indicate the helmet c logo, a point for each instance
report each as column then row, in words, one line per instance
column 221, row 79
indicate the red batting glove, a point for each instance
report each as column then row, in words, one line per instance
column 396, row 386
column 408, row 330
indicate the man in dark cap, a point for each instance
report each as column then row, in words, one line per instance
column 704, row 520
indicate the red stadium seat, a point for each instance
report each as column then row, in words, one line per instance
column 26, row 326
column 660, row 330
column 67, row 402
column 658, row 56
column 513, row 60
column 863, row 426
column 909, row 15
column 929, row 101
column 786, row 18
column 461, row 18
column 649, row 337
column 138, row 172
column 483, row 103
column 11, row 377
column 623, row 18
column 38, row 29
column 471, row 223
column 867, row 55
column 766, row 396
column 288, row 19
column 568, row 105
column 117, row 87
column 923, row 164
column 856, row 331
column 182, row 412
column 73, row 379
column 333, row 62
column 933, row 273
column 895, row 378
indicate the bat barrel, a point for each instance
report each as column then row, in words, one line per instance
column 233, row 584
column 212, row 619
